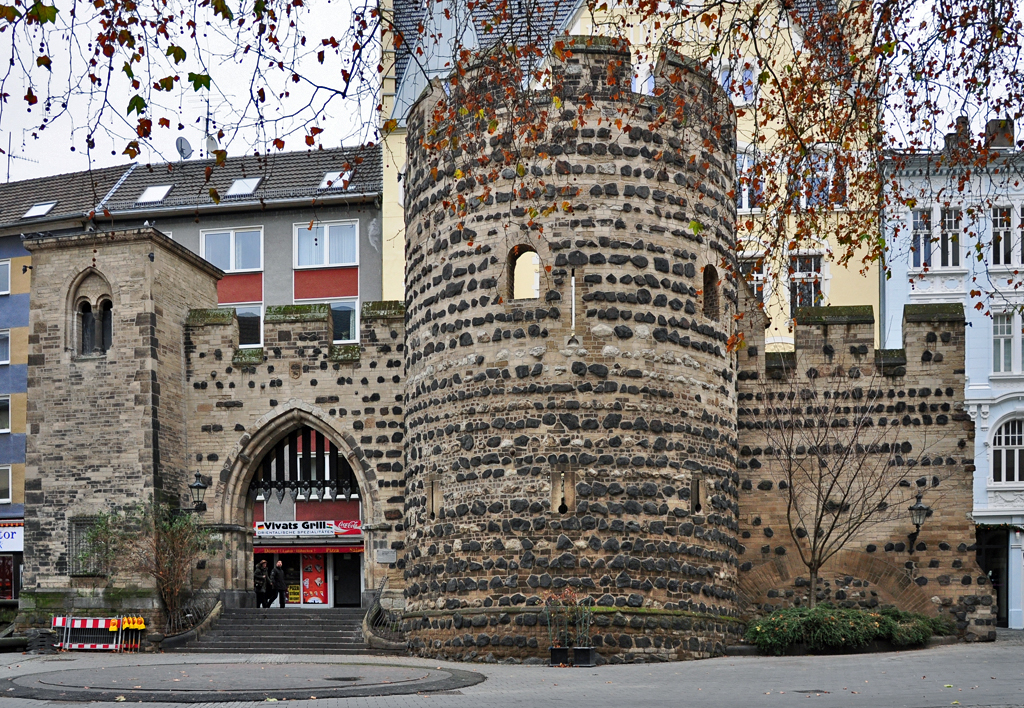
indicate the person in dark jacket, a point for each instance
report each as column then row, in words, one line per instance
column 261, row 583
column 277, row 582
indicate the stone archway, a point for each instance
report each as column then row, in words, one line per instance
column 894, row 585
column 232, row 509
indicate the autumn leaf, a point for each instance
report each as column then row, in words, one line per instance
column 214, row 195
column 31, row 97
column 199, row 81
column 132, row 149
column 278, row 143
column 221, row 157
column 44, row 61
column 176, row 53
column 136, row 104
column 42, row 13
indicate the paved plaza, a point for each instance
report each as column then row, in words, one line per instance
column 966, row 675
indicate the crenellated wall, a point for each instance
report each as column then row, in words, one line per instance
column 584, row 439
column 916, row 393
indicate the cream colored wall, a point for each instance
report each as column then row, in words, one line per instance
column 845, row 285
column 393, row 141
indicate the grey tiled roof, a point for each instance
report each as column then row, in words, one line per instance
column 76, row 194
column 408, row 14
column 288, row 175
column 529, row 22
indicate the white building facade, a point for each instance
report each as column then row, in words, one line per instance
column 958, row 236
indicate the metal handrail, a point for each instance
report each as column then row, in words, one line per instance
column 386, row 624
column 192, row 613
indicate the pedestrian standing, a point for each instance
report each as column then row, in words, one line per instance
column 261, row 583
column 278, row 585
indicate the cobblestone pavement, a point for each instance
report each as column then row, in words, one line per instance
column 987, row 675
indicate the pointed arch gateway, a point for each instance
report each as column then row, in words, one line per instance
column 296, row 454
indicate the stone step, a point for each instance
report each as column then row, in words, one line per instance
column 243, row 633
column 244, row 649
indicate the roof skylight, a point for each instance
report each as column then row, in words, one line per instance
column 39, row 209
column 335, row 180
column 155, row 193
column 241, row 187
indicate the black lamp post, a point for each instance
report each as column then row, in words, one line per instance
column 918, row 513
column 198, row 490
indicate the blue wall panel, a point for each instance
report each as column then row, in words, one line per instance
column 10, row 247
column 12, row 448
column 14, row 378
column 13, row 311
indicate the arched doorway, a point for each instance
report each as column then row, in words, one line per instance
column 307, row 514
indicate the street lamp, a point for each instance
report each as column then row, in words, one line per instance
column 918, row 513
column 198, row 490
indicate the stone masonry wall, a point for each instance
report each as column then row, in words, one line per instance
column 918, row 391
column 103, row 430
column 594, row 453
column 241, row 401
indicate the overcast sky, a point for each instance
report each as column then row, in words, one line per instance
column 49, row 153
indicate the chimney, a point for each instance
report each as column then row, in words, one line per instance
column 961, row 137
column 999, row 133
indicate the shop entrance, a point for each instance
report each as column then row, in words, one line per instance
column 346, row 580
column 993, row 549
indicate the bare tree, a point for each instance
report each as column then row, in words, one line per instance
column 153, row 540
column 840, row 464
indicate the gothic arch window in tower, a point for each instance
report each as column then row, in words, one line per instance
column 711, row 292
column 105, row 330
column 86, row 328
column 523, row 273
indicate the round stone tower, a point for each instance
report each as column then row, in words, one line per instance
column 571, row 412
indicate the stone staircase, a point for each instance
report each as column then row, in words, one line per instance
column 284, row 631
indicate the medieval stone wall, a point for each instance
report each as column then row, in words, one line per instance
column 105, row 429
column 241, row 401
column 917, row 392
column 584, row 440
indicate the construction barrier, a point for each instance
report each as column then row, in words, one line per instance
column 117, row 634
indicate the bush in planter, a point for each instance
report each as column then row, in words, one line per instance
column 827, row 628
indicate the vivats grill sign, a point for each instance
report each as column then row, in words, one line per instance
column 308, row 529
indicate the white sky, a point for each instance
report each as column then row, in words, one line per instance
column 343, row 122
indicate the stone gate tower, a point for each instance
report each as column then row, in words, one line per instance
column 584, row 438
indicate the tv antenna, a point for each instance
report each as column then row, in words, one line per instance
column 15, row 157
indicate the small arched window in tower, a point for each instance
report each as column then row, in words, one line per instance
column 523, row 273
column 563, row 489
column 86, row 329
column 710, row 292
column 695, row 505
column 106, row 329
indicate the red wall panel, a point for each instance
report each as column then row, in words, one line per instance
column 326, row 282
column 244, row 287
column 330, row 510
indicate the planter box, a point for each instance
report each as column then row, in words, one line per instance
column 560, row 656
column 584, row 656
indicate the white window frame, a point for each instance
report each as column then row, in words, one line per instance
column 6, row 263
column 231, row 246
column 240, row 187
column 7, row 333
column 263, row 311
column 158, row 193
column 1005, row 328
column 761, row 278
column 39, row 209
column 932, row 256
column 740, row 93
column 327, row 301
column 822, row 277
column 337, row 179
column 998, row 449
column 6, row 470
column 327, row 249
column 10, row 414
column 744, row 191
column 826, row 152
column 1015, row 230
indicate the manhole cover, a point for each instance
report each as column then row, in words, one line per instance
column 342, row 678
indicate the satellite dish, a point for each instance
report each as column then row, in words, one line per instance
column 211, row 144
column 184, row 149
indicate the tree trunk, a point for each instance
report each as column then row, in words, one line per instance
column 812, row 599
